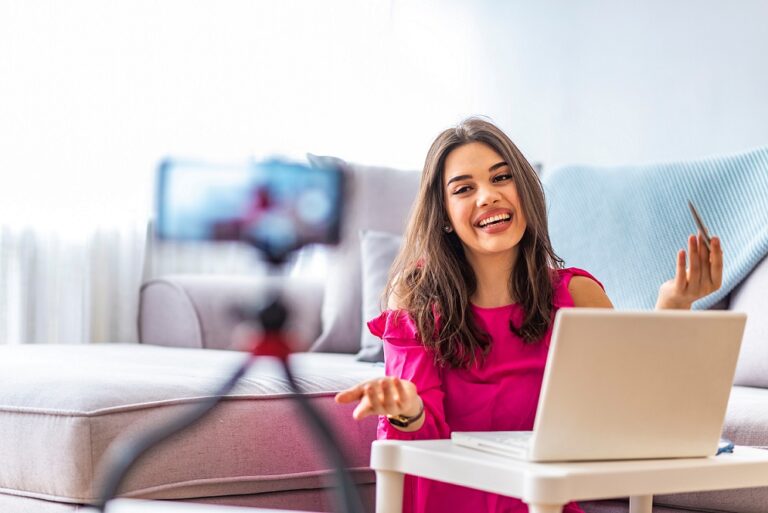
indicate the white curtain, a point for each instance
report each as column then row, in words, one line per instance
column 60, row 289
column 94, row 93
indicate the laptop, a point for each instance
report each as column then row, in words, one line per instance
column 628, row 385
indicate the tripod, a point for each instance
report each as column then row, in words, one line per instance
column 273, row 341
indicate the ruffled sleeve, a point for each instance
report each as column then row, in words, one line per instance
column 563, row 298
column 396, row 325
column 407, row 358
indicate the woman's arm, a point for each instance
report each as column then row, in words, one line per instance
column 413, row 383
column 587, row 293
column 703, row 276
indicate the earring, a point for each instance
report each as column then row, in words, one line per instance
column 447, row 228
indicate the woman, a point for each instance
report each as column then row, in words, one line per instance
column 471, row 300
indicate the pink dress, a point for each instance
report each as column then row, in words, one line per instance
column 501, row 395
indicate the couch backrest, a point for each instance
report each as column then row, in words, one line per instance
column 380, row 199
column 626, row 224
column 751, row 297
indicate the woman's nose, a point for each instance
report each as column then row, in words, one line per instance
column 487, row 196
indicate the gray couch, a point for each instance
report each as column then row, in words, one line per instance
column 60, row 406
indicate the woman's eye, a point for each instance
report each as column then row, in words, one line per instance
column 502, row 177
column 462, row 189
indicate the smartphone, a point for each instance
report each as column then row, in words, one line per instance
column 277, row 206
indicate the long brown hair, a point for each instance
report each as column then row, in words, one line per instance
column 431, row 276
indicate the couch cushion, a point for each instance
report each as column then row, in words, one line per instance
column 18, row 504
column 61, row 406
column 381, row 200
column 751, row 297
column 746, row 423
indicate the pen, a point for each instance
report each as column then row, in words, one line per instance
column 700, row 225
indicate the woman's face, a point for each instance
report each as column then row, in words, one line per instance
column 482, row 202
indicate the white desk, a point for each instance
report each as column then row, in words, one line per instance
column 547, row 487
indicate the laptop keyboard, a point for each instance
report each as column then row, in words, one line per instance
column 506, row 443
column 519, row 440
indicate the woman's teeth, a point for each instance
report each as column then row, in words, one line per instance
column 494, row 219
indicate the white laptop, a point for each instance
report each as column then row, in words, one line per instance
column 628, row 385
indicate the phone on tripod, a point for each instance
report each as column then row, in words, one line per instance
column 276, row 205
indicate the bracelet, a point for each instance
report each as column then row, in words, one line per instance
column 402, row 421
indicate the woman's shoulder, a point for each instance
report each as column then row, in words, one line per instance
column 577, row 287
column 566, row 275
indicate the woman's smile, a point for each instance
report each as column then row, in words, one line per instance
column 495, row 221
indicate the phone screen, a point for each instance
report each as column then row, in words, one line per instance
column 277, row 206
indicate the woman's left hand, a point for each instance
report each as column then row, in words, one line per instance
column 703, row 276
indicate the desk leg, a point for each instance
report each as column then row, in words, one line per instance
column 545, row 508
column 389, row 491
column 641, row 504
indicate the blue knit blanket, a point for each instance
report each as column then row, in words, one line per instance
column 626, row 224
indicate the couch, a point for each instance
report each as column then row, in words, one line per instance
column 61, row 406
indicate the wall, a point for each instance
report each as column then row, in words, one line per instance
column 599, row 81
column 93, row 93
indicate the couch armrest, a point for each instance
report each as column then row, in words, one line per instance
column 195, row 311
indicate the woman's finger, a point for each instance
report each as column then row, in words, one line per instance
column 716, row 262
column 694, row 262
column 373, row 394
column 402, row 394
column 706, row 272
column 368, row 402
column 362, row 410
column 680, row 275
column 349, row 395
column 388, row 394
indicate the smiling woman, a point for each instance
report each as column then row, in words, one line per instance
column 472, row 300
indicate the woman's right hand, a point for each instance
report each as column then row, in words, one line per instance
column 382, row 396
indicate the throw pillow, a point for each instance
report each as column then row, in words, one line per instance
column 750, row 297
column 378, row 251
